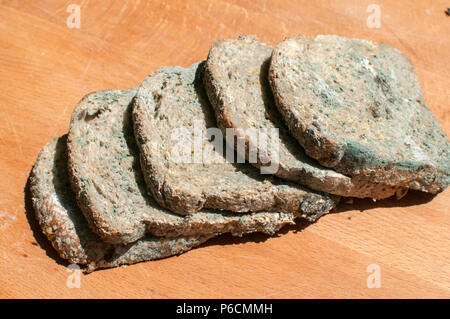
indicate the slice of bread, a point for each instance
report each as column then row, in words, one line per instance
column 64, row 225
column 356, row 106
column 236, row 81
column 106, row 177
column 173, row 100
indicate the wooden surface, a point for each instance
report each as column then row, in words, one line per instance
column 46, row 67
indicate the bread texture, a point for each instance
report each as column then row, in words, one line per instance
column 173, row 99
column 236, row 81
column 63, row 223
column 105, row 174
column 357, row 107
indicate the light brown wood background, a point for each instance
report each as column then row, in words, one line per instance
column 46, row 67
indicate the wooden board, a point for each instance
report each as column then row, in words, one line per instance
column 46, row 67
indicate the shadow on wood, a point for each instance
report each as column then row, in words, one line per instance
column 413, row 198
column 228, row 239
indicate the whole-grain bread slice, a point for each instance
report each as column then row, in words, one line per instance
column 63, row 223
column 357, row 106
column 184, row 171
column 106, row 177
column 236, row 81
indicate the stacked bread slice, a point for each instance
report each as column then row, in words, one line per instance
column 152, row 172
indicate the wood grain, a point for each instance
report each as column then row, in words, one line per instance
column 46, row 67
